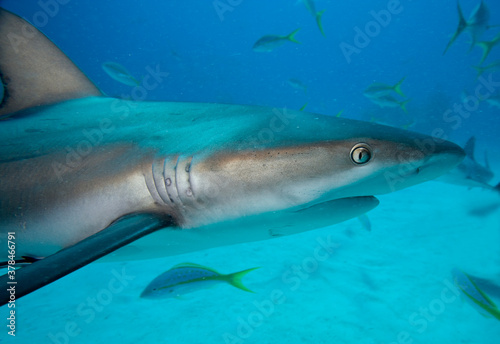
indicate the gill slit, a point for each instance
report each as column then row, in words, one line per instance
column 177, row 178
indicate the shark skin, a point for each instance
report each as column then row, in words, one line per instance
column 78, row 168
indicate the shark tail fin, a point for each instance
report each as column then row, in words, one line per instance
column 470, row 147
column 403, row 105
column 235, row 279
column 397, row 87
column 291, row 37
column 462, row 24
column 26, row 52
column 319, row 16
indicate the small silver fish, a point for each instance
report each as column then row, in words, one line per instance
column 188, row 277
column 297, row 84
column 119, row 73
column 268, row 43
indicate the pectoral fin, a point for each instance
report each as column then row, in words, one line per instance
column 47, row 270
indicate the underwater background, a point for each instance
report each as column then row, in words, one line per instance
column 387, row 282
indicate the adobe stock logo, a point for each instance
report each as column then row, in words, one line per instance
column 372, row 29
column 223, row 6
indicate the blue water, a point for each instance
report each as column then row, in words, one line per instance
column 370, row 289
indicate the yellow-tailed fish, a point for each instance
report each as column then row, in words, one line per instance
column 268, row 43
column 188, row 277
column 487, row 46
column 492, row 67
column 339, row 113
column 317, row 15
column 390, row 101
column 378, row 89
column 476, row 25
column 303, row 107
column 483, row 304
column 311, row 7
column 318, row 18
column 408, row 125
column 120, row 73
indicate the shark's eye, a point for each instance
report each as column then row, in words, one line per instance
column 361, row 154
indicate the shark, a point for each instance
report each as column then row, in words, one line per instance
column 86, row 176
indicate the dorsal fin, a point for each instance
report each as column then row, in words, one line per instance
column 470, row 147
column 33, row 70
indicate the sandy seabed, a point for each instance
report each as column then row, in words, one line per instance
column 339, row 284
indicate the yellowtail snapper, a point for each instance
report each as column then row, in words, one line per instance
column 378, row 89
column 492, row 67
column 390, row 102
column 381, row 94
column 317, row 15
column 270, row 42
column 487, row 46
column 188, row 277
column 479, row 300
column 476, row 25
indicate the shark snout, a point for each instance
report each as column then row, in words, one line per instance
column 440, row 159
